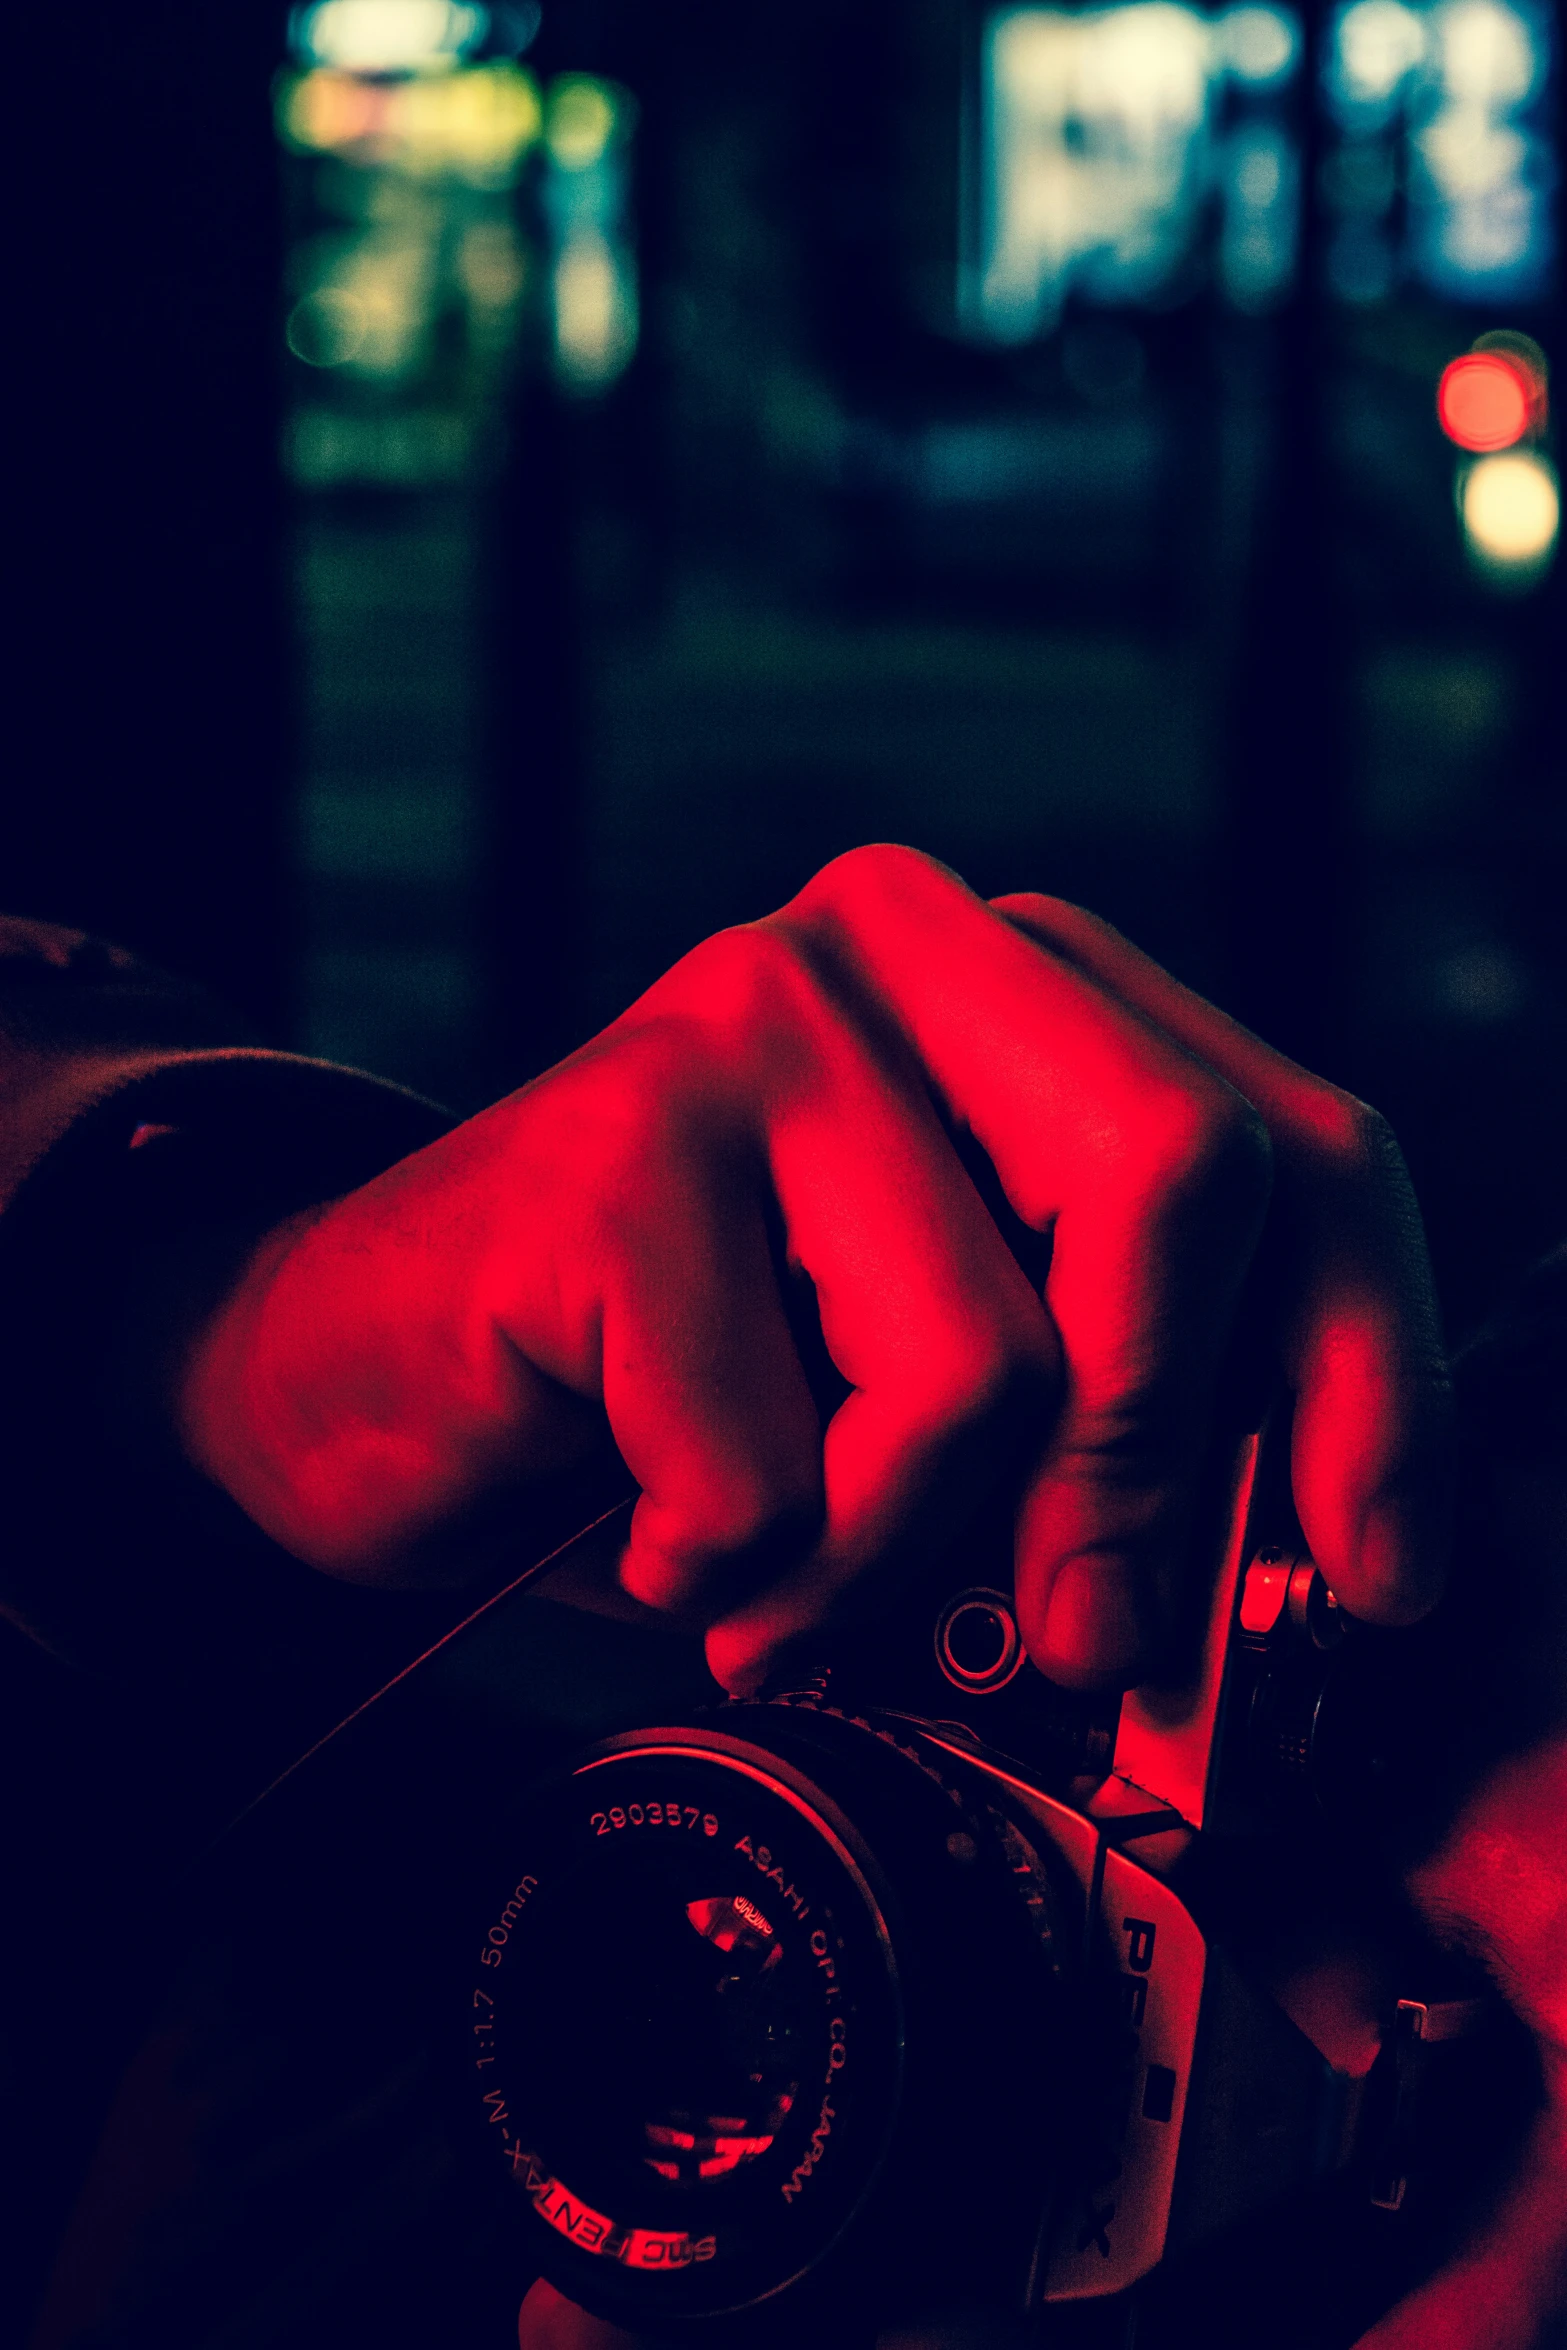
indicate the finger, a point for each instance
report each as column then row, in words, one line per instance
column 1149, row 1172
column 1507, row 2290
column 1144, row 1284
column 949, row 1355
column 1360, row 1339
column 704, row 1391
column 548, row 2321
column 904, row 1467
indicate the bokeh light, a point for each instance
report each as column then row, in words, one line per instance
column 1484, row 401
column 1377, row 44
column 387, row 36
column 1259, row 45
column 581, row 121
column 327, row 328
column 586, row 199
column 1106, row 133
column 476, row 125
column 1443, row 106
column 1510, row 507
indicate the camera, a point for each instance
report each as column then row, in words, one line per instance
column 897, row 1986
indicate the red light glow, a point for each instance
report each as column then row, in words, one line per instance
column 722, row 2146
column 1486, row 400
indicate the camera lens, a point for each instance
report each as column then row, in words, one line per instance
column 759, row 2003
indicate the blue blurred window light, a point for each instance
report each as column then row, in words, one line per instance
column 1454, row 95
column 1108, row 135
column 1112, row 137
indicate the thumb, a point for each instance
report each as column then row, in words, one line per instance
column 1508, row 2290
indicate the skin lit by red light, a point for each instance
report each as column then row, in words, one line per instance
column 1485, row 401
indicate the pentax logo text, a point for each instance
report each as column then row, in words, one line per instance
column 594, row 2231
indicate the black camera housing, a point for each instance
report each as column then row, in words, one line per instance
column 1019, row 1853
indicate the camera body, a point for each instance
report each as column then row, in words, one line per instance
column 901, row 1977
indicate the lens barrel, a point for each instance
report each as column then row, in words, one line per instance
column 769, row 2006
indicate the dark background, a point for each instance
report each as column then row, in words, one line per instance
column 429, row 713
column 1164, row 608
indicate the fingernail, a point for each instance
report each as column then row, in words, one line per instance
column 735, row 1664
column 1095, row 1630
column 1402, row 1558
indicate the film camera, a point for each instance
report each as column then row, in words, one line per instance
column 902, row 1976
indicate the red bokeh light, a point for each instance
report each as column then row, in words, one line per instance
column 1486, row 400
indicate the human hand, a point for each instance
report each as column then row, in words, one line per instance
column 863, row 1099
column 1494, row 1883
column 1497, row 1887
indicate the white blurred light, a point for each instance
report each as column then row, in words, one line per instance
column 1097, row 130
column 1378, row 43
column 1510, row 507
column 1147, row 64
column 1448, row 90
column 595, row 310
column 1259, row 45
column 1466, row 154
column 1479, row 206
column 387, row 36
column 1487, row 54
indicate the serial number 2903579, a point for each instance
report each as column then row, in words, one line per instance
column 653, row 1815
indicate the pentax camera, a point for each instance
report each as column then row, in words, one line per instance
column 907, row 1984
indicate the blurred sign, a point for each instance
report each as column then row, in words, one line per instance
column 1110, row 137
column 1136, row 155
column 1443, row 166
column 445, row 205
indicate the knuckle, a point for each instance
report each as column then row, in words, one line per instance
column 1342, row 1135
column 1362, row 1145
column 744, row 1009
column 1057, row 915
column 742, row 975
column 880, row 873
column 1203, row 1141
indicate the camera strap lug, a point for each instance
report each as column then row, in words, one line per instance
column 1422, row 2031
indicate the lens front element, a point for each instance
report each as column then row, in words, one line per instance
column 695, row 2025
column 768, row 2007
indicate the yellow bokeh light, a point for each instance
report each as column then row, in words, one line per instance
column 595, row 311
column 581, row 121
column 477, row 123
column 325, row 111
column 1510, row 507
column 327, row 328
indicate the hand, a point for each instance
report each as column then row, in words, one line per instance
column 887, row 1099
column 1497, row 1886
column 1495, row 1883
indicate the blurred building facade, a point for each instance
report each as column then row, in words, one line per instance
column 1109, row 447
